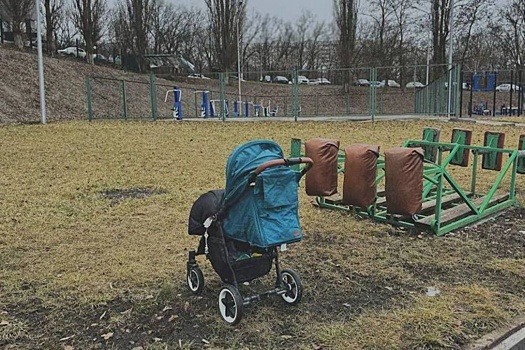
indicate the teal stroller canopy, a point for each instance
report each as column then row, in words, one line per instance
column 260, row 208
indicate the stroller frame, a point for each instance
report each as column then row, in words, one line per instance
column 231, row 304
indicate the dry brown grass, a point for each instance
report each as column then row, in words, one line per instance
column 74, row 262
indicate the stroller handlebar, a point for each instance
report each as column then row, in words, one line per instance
column 286, row 161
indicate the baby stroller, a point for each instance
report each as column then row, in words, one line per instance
column 243, row 226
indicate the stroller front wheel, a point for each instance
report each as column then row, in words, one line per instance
column 231, row 305
column 195, row 279
column 294, row 288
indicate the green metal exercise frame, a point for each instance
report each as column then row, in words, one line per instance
column 446, row 206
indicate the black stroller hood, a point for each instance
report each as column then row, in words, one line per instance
column 205, row 206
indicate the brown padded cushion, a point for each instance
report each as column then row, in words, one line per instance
column 359, row 186
column 404, row 180
column 321, row 180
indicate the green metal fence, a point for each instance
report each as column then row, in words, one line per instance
column 294, row 94
column 437, row 99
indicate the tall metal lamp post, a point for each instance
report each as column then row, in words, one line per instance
column 40, row 65
column 239, row 4
column 450, row 52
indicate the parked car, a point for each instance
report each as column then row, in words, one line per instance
column 72, row 51
column 391, row 83
column 197, row 76
column 361, row 82
column 313, row 82
column 266, row 79
column 377, row 84
column 414, row 84
column 99, row 58
column 507, row 87
column 323, row 81
column 280, row 79
column 301, row 79
column 234, row 77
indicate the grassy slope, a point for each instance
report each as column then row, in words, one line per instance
column 74, row 263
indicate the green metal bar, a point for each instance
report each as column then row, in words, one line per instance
column 435, row 224
column 451, row 145
column 461, row 193
column 124, row 101
column 474, row 173
column 498, row 180
column 451, row 155
column 295, row 151
column 474, row 218
column 89, row 98
column 153, row 96
column 512, row 190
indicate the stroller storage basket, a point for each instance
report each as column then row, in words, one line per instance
column 245, row 270
column 252, row 268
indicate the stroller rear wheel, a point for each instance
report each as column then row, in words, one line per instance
column 231, row 305
column 294, row 287
column 195, row 279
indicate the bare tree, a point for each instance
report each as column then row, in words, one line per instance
column 225, row 16
column 132, row 26
column 18, row 11
column 400, row 10
column 512, row 28
column 53, row 14
column 65, row 29
column 345, row 12
column 89, row 17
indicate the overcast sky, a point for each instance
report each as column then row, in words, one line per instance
column 285, row 9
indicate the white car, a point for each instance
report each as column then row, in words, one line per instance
column 198, row 76
column 507, row 87
column 302, row 79
column 391, row 83
column 323, row 81
column 280, row 79
column 72, row 50
column 414, row 84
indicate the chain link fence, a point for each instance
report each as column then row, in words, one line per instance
column 295, row 94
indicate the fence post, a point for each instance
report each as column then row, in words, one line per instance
column 153, row 96
column 372, row 93
column 494, row 95
column 89, row 98
column 295, row 94
column 222, row 95
column 124, row 100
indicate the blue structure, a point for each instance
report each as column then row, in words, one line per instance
column 205, row 106
column 246, row 109
column 177, row 103
column 485, row 81
column 236, row 109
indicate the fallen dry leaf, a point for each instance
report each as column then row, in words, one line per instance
column 107, row 335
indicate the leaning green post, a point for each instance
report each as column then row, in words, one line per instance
column 89, row 99
column 124, row 101
column 153, row 96
column 295, row 151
